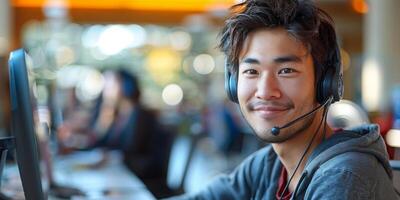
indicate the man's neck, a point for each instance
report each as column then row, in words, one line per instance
column 291, row 151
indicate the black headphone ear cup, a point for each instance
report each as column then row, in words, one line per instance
column 233, row 88
column 339, row 76
column 230, row 84
column 325, row 86
column 330, row 85
column 320, row 89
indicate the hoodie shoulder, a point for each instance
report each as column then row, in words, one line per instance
column 353, row 175
column 354, row 162
column 364, row 139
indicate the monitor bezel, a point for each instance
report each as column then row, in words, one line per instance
column 23, row 127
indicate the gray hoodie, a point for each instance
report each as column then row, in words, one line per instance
column 351, row 164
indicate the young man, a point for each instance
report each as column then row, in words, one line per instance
column 283, row 69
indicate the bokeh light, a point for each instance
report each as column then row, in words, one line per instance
column 139, row 36
column 64, row 56
column 204, row 64
column 360, row 6
column 163, row 64
column 114, row 39
column 88, row 82
column 172, row 94
column 393, row 138
column 371, row 85
column 180, row 40
column 91, row 36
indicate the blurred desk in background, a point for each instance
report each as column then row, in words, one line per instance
column 108, row 180
column 81, row 170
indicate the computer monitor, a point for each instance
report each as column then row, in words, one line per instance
column 23, row 123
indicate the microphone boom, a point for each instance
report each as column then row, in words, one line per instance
column 276, row 129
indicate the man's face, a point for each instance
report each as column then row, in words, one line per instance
column 275, row 83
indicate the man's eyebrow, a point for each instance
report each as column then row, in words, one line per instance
column 279, row 59
column 288, row 58
column 250, row 61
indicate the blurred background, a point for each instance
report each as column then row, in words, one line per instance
column 171, row 48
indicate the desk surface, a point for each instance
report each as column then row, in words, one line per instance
column 111, row 180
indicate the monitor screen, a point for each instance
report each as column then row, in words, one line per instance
column 24, row 119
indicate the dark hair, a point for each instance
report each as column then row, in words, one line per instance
column 301, row 18
column 129, row 83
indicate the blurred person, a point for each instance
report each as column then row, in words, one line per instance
column 283, row 69
column 120, row 121
column 225, row 127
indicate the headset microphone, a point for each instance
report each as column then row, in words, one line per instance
column 276, row 129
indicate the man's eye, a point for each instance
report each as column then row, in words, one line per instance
column 286, row 71
column 250, row 71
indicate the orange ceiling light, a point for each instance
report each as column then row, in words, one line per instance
column 360, row 6
column 178, row 5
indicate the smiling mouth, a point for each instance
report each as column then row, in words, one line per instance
column 269, row 110
column 270, row 113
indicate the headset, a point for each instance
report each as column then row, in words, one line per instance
column 330, row 83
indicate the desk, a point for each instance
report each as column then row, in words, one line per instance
column 111, row 181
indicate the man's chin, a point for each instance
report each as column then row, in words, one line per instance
column 267, row 136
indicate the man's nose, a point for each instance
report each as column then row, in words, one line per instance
column 268, row 87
